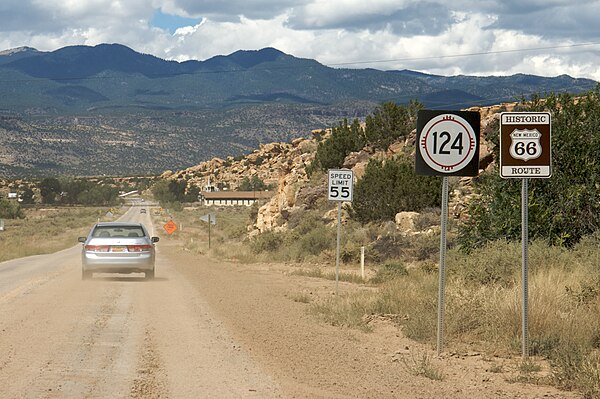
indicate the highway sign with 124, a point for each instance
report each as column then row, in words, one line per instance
column 447, row 143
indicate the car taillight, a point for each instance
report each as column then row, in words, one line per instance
column 139, row 248
column 97, row 248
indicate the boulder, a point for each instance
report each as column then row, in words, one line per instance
column 406, row 221
column 355, row 158
column 331, row 216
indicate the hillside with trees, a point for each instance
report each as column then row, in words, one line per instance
column 106, row 109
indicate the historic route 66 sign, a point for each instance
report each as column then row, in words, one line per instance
column 525, row 144
column 447, row 143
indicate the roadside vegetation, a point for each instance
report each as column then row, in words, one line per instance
column 172, row 193
column 59, row 191
column 563, row 208
column 49, row 214
column 483, row 288
column 46, row 230
column 484, row 260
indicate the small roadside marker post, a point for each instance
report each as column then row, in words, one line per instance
column 362, row 263
column 525, row 152
column 447, row 145
column 340, row 189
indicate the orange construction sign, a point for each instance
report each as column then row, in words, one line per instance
column 170, row 227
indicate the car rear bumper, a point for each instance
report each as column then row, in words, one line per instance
column 133, row 263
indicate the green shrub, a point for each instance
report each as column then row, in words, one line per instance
column 389, row 271
column 306, row 222
column 350, row 252
column 386, row 124
column 425, row 247
column 563, row 208
column 10, row 209
column 254, row 183
column 344, row 139
column 389, row 122
column 170, row 191
column 317, row 240
column 390, row 187
column 266, row 242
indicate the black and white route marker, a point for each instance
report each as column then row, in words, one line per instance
column 447, row 143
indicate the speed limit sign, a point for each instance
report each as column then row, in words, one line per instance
column 341, row 183
column 447, row 143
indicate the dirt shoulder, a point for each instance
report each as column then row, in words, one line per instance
column 258, row 305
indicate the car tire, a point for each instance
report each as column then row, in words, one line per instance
column 149, row 274
column 86, row 275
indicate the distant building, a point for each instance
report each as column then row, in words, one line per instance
column 232, row 198
column 123, row 194
column 209, row 187
column 13, row 196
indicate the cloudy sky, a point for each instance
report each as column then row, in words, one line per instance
column 484, row 37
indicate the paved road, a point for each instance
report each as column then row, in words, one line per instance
column 116, row 336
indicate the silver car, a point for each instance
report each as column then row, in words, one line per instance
column 116, row 247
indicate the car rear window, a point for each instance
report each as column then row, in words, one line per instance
column 121, row 231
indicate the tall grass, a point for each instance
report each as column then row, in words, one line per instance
column 227, row 236
column 483, row 306
column 422, row 365
column 346, row 310
column 46, row 231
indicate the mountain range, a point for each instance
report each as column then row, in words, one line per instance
column 175, row 114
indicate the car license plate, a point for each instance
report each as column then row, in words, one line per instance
column 118, row 248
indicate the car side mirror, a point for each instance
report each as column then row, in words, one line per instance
column 82, row 239
column 155, row 239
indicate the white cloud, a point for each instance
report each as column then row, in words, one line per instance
column 322, row 13
column 208, row 39
column 421, row 35
column 231, row 10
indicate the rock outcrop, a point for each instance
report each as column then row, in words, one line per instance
column 284, row 166
column 270, row 163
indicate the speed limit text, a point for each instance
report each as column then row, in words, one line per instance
column 340, row 185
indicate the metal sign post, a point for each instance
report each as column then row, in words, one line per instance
column 340, row 188
column 525, row 152
column 442, row 277
column 210, row 218
column 337, row 247
column 525, row 265
column 447, row 145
